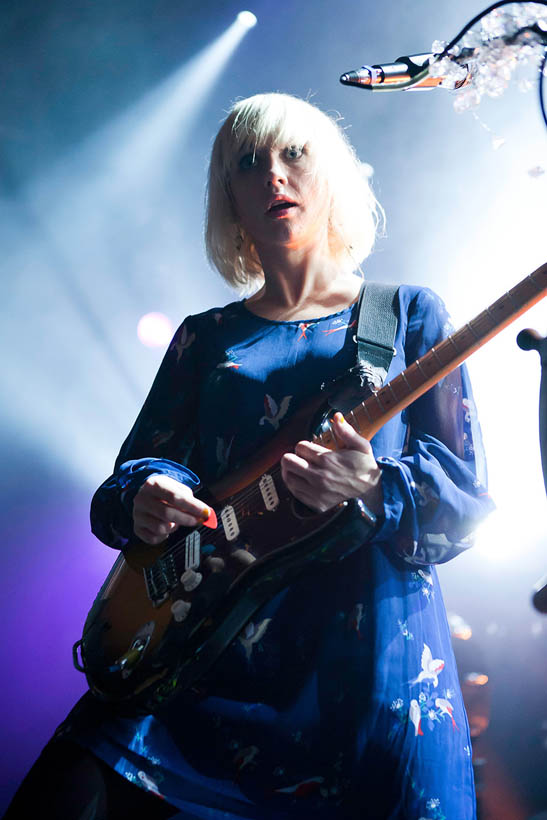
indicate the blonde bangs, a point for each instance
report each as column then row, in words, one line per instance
column 265, row 120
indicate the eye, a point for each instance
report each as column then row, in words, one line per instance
column 293, row 152
column 248, row 161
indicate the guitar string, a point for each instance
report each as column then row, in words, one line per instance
column 247, row 495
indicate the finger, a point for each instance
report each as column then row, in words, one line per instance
column 191, row 519
column 292, row 463
column 309, row 450
column 166, row 515
column 155, row 509
column 347, row 437
column 164, row 486
column 162, row 511
column 153, row 524
column 312, row 481
column 174, row 494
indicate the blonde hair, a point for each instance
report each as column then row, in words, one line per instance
column 281, row 119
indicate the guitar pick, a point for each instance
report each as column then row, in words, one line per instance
column 211, row 520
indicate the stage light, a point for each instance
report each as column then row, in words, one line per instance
column 476, row 679
column 459, row 628
column 92, row 230
column 155, row 330
column 247, row 19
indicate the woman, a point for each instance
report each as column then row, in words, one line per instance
column 340, row 699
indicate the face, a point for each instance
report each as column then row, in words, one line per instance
column 277, row 197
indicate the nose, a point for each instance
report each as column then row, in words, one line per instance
column 276, row 174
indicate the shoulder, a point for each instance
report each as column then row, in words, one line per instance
column 421, row 304
column 416, row 300
column 208, row 321
column 424, row 318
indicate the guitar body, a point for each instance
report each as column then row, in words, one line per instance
column 139, row 649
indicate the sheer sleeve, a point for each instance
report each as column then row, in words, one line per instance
column 435, row 494
column 161, row 441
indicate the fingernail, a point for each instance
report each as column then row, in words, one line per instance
column 339, row 418
column 205, row 514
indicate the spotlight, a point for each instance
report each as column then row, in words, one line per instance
column 247, row 19
column 154, row 330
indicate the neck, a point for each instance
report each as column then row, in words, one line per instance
column 302, row 283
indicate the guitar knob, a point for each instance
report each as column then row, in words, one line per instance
column 190, row 579
column 180, row 610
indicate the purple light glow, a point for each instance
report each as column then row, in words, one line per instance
column 53, row 569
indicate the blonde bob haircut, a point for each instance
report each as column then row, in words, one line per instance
column 272, row 120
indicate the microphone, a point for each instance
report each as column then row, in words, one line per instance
column 387, row 76
column 539, row 598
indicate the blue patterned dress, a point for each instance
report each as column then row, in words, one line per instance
column 341, row 698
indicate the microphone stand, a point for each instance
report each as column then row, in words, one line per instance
column 531, row 340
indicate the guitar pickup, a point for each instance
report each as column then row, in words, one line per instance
column 160, row 579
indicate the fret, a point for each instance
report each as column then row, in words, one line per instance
column 452, row 342
column 378, row 401
column 326, row 438
column 414, row 375
column 485, row 318
column 500, row 307
column 383, row 397
column 510, row 296
column 403, row 376
column 420, row 368
column 473, row 333
column 436, row 355
column 364, row 406
column 429, row 364
column 355, row 424
column 390, row 386
column 488, row 311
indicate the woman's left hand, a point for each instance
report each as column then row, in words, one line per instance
column 321, row 478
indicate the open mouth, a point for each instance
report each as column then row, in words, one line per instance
column 281, row 205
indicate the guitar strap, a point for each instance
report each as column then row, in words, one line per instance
column 376, row 329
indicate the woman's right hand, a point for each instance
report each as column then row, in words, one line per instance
column 163, row 504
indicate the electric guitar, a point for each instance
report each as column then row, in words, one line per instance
column 166, row 613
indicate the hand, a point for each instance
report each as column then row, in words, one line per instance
column 322, row 478
column 162, row 505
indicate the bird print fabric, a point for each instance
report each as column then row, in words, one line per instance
column 340, row 699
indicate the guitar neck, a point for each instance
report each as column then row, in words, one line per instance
column 370, row 415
